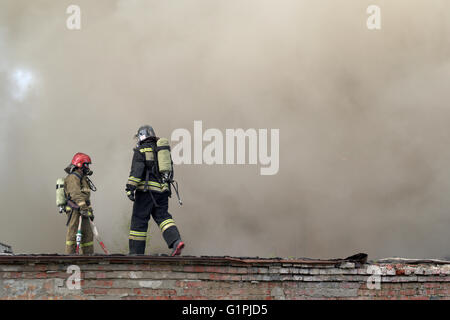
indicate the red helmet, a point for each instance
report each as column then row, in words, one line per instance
column 80, row 158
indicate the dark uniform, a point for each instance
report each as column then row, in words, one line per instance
column 151, row 199
column 77, row 189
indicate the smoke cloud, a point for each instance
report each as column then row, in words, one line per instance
column 363, row 115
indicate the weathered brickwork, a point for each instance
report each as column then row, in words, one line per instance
column 183, row 280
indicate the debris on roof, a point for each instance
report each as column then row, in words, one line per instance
column 5, row 249
column 184, row 260
column 412, row 261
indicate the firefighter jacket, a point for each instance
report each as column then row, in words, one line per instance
column 77, row 189
column 144, row 164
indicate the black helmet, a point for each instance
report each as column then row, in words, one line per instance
column 145, row 132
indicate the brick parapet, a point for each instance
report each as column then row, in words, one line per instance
column 258, row 281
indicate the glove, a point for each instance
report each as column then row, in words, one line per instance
column 91, row 213
column 84, row 212
column 88, row 213
column 165, row 177
column 130, row 189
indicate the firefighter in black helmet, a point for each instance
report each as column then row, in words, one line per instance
column 149, row 189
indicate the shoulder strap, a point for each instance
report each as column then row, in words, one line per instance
column 163, row 148
column 77, row 175
column 156, row 165
column 89, row 181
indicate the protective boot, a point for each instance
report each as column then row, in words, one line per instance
column 171, row 235
column 136, row 247
column 177, row 247
column 71, row 248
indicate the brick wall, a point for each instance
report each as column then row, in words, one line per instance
column 186, row 278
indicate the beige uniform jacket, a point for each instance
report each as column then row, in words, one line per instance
column 78, row 190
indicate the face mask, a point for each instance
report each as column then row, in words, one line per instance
column 87, row 171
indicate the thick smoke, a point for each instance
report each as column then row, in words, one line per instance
column 363, row 118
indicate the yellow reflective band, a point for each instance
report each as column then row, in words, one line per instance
column 156, row 189
column 69, row 243
column 87, row 244
column 137, row 238
column 146, row 150
column 134, row 179
column 133, row 183
column 151, row 183
column 167, row 226
column 166, row 222
column 138, row 233
column 155, row 184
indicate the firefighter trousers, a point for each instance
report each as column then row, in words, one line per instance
column 87, row 236
column 143, row 209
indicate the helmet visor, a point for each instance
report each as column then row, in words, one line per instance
column 142, row 135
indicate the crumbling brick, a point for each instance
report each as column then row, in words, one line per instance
column 258, row 281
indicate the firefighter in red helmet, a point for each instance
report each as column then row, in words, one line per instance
column 77, row 187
